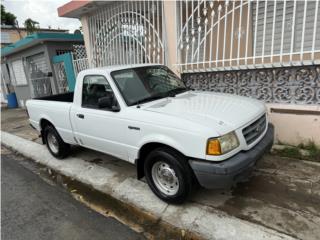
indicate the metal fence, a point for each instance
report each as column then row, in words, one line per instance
column 79, row 65
column 127, row 32
column 61, row 77
column 224, row 35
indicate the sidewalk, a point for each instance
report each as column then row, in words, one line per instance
column 280, row 202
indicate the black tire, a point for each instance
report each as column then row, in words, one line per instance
column 182, row 170
column 63, row 149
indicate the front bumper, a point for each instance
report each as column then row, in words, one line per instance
column 238, row 168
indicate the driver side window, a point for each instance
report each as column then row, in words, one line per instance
column 94, row 88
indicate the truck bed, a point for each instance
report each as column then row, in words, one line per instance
column 64, row 97
column 55, row 109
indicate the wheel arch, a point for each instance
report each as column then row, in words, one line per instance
column 43, row 123
column 145, row 150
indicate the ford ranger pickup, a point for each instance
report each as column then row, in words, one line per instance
column 144, row 114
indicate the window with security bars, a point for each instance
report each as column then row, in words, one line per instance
column 62, row 51
column 37, row 66
column 37, row 69
column 283, row 27
column 18, row 73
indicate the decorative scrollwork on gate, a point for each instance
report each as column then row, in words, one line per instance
column 236, row 34
column 128, row 32
column 292, row 85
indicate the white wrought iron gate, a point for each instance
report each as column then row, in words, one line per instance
column 129, row 32
column 224, row 35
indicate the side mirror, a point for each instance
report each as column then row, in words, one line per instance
column 115, row 108
column 108, row 102
column 105, row 102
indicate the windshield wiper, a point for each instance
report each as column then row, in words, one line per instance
column 148, row 99
column 173, row 92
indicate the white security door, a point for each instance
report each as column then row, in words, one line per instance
column 37, row 69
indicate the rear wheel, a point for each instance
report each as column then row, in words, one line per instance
column 56, row 146
column 168, row 175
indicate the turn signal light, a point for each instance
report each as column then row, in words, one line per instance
column 213, row 147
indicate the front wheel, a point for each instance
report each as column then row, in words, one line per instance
column 56, row 146
column 168, row 175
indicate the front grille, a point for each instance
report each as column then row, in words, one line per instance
column 254, row 130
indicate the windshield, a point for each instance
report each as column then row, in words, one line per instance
column 143, row 84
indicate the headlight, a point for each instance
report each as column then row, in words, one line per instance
column 223, row 144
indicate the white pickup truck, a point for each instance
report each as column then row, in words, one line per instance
column 144, row 114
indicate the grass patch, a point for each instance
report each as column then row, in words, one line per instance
column 290, row 152
column 313, row 149
column 306, row 151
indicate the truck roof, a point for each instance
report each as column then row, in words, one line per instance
column 118, row 67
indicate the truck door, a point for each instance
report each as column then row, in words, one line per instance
column 98, row 128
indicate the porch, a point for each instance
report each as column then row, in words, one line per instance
column 269, row 50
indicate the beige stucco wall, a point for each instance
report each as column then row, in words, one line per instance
column 296, row 128
column 14, row 35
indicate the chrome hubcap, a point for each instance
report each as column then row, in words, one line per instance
column 165, row 178
column 53, row 143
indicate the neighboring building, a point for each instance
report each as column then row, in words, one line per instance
column 11, row 34
column 27, row 66
column 269, row 50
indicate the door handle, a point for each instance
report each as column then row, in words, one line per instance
column 79, row 115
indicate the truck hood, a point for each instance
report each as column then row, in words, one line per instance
column 220, row 112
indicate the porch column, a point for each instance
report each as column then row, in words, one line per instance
column 86, row 38
column 171, row 34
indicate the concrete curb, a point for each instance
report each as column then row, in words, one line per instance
column 191, row 217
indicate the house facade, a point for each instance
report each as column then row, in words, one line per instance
column 27, row 66
column 268, row 50
column 11, row 34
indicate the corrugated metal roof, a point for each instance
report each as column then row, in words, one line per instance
column 37, row 38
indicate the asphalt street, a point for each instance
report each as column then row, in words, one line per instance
column 31, row 208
